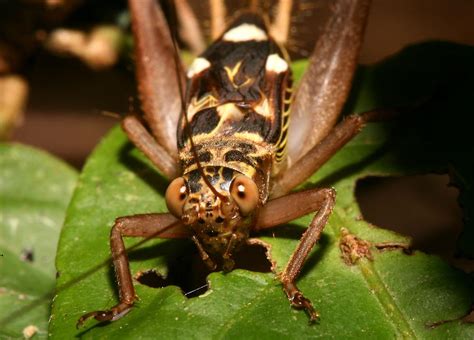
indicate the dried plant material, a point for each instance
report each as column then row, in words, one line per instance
column 98, row 49
column 469, row 318
column 13, row 97
column 10, row 58
column 30, row 331
column 353, row 248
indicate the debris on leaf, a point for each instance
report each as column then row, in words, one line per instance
column 29, row 331
column 353, row 248
column 27, row 255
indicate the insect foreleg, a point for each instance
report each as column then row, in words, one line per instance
column 148, row 226
column 142, row 139
column 284, row 209
column 322, row 152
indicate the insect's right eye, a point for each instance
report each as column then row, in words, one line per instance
column 176, row 195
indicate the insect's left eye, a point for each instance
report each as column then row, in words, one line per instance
column 244, row 191
column 176, row 195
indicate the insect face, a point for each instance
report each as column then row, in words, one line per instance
column 220, row 223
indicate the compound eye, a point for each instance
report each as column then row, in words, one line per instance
column 244, row 191
column 176, row 196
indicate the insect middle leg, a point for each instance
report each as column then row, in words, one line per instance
column 291, row 206
column 145, row 142
column 147, row 226
column 322, row 152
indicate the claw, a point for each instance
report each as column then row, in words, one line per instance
column 298, row 301
column 87, row 316
column 112, row 314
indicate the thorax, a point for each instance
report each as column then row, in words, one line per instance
column 237, row 104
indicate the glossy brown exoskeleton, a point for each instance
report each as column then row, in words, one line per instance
column 235, row 156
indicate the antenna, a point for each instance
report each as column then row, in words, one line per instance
column 187, row 126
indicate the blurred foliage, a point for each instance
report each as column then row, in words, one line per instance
column 35, row 189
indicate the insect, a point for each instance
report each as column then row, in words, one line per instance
column 227, row 143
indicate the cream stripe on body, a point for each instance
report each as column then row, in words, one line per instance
column 245, row 32
column 276, row 63
column 199, row 64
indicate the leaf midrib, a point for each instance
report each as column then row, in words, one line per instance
column 378, row 288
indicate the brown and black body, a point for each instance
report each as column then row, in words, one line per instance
column 237, row 105
column 236, row 155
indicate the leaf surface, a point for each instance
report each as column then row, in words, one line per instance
column 35, row 189
column 393, row 295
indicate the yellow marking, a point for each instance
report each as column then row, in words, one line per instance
column 282, row 140
column 263, row 108
column 249, row 136
column 242, row 167
column 232, row 72
column 197, row 105
column 202, row 137
column 281, row 143
column 229, row 111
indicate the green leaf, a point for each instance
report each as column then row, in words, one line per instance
column 394, row 295
column 35, row 189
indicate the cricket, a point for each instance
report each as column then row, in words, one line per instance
column 235, row 137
